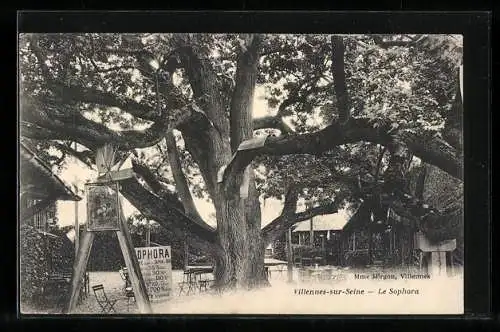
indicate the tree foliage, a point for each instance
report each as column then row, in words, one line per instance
column 346, row 115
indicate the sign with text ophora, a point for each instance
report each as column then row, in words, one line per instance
column 156, row 268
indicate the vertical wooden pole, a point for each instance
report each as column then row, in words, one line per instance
column 79, row 268
column 77, row 225
column 133, row 267
column 402, row 240
column 186, row 252
column 370, row 245
column 311, row 236
column 77, row 228
column 434, row 268
column 289, row 255
column 148, row 234
column 438, row 263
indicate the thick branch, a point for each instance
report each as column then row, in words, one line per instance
column 147, row 175
column 281, row 224
column 34, row 131
column 394, row 175
column 181, row 183
column 242, row 98
column 151, row 206
column 90, row 95
column 165, row 194
column 69, row 123
column 202, row 79
column 420, row 185
column 338, row 73
column 336, row 134
column 434, row 151
column 431, row 150
column 379, row 163
column 291, row 198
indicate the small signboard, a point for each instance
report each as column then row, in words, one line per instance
column 422, row 243
column 156, row 269
column 252, row 143
column 103, row 208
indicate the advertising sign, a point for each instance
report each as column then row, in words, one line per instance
column 156, row 268
column 103, row 209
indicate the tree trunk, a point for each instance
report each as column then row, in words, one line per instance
column 231, row 267
column 256, row 246
column 241, row 262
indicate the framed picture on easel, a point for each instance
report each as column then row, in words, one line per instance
column 103, row 208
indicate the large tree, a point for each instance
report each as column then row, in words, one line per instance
column 348, row 114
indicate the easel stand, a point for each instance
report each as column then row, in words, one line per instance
column 131, row 262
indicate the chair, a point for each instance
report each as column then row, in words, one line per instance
column 204, row 282
column 280, row 269
column 304, row 275
column 318, row 260
column 326, row 274
column 297, row 261
column 189, row 281
column 124, row 275
column 129, row 293
column 307, row 261
column 85, row 290
column 107, row 305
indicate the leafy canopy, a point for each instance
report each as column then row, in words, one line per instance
column 411, row 86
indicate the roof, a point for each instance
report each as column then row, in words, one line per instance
column 325, row 222
column 37, row 178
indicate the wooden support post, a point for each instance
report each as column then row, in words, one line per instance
column 289, row 255
column 77, row 225
column 138, row 284
column 135, row 274
column 311, row 236
column 186, row 252
column 148, row 234
column 438, row 263
column 77, row 228
column 370, row 245
column 402, row 242
column 79, row 270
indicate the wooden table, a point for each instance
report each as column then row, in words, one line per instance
column 268, row 262
column 192, row 278
column 199, row 269
column 318, row 272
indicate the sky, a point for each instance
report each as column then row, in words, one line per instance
column 77, row 174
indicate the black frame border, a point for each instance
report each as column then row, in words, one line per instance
column 475, row 27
